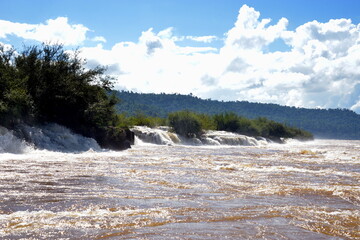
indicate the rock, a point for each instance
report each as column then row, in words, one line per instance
column 116, row 138
column 113, row 138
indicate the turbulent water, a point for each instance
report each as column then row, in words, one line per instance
column 175, row 191
column 163, row 136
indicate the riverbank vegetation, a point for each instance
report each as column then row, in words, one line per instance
column 48, row 84
column 191, row 124
column 323, row 123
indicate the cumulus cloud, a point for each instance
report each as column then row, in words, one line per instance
column 155, row 63
column 54, row 30
column 251, row 33
column 204, row 39
column 356, row 106
column 99, row 39
column 320, row 68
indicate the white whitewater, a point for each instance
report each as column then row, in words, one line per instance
column 51, row 137
column 163, row 136
column 155, row 135
column 298, row 190
column 233, row 139
column 11, row 144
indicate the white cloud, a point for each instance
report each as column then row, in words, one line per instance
column 99, row 39
column 6, row 47
column 250, row 33
column 321, row 69
column 54, row 31
column 204, row 39
column 155, row 63
column 356, row 106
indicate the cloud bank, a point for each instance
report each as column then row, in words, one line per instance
column 53, row 31
column 320, row 68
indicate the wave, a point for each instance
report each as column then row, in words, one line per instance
column 9, row 143
column 163, row 136
column 51, row 137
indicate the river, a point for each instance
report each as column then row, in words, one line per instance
column 270, row 191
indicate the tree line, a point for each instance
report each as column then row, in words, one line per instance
column 49, row 84
column 191, row 124
column 323, row 123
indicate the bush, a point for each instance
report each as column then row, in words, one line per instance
column 227, row 122
column 206, row 121
column 258, row 127
column 140, row 119
column 185, row 123
column 248, row 127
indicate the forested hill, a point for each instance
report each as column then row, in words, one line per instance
column 330, row 123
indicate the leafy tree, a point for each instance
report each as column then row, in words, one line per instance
column 49, row 84
column 62, row 89
column 248, row 127
column 206, row 121
column 185, row 123
column 227, row 122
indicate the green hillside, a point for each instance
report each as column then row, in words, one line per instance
column 323, row 123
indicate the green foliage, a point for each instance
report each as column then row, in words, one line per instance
column 323, row 123
column 233, row 123
column 227, row 122
column 140, row 119
column 190, row 124
column 248, row 127
column 185, row 123
column 14, row 98
column 207, row 122
column 275, row 130
column 258, row 127
column 46, row 83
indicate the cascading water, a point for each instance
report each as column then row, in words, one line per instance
column 234, row 139
column 51, row 137
column 11, row 144
column 156, row 136
column 163, row 136
column 297, row 190
column 55, row 137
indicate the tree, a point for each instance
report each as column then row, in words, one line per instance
column 185, row 123
column 49, row 84
column 62, row 89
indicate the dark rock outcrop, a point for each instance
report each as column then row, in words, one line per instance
column 113, row 138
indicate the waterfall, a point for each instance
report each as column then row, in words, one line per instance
column 155, row 135
column 234, row 139
column 163, row 136
column 54, row 137
column 51, row 137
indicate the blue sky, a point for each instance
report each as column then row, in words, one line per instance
column 124, row 20
column 224, row 50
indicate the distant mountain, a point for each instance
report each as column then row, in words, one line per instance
column 323, row 123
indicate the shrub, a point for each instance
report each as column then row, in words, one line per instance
column 185, row 123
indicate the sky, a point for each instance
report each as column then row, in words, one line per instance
column 295, row 53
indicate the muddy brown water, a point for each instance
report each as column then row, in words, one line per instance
column 290, row 191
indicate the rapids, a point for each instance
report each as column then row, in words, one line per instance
column 52, row 137
column 177, row 191
column 164, row 136
column 11, row 144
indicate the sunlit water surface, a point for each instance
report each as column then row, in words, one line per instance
column 290, row 191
